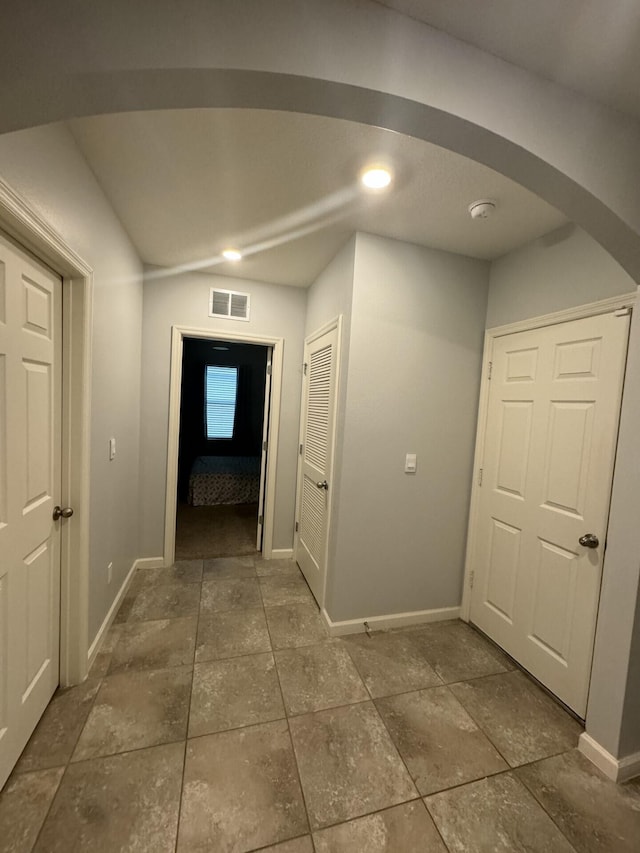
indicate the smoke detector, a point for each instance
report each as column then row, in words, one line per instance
column 482, row 209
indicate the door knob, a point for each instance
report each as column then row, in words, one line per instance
column 62, row 512
column 589, row 540
column 323, row 485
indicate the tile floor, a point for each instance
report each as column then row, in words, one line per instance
column 220, row 717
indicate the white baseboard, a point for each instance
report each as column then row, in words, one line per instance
column 94, row 648
column 281, row 554
column 618, row 769
column 149, row 563
column 391, row 620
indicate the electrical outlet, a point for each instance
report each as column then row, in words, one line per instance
column 110, row 572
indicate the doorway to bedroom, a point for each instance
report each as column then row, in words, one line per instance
column 222, row 448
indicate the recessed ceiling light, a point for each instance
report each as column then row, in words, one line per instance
column 232, row 255
column 376, row 177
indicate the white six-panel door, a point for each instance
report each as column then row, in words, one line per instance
column 30, row 456
column 551, row 433
column 318, row 408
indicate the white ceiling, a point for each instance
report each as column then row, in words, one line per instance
column 187, row 183
column 590, row 46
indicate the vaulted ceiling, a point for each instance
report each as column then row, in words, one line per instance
column 283, row 188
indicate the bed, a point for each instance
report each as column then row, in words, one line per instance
column 224, row 480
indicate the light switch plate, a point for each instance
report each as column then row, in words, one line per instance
column 112, row 449
column 410, row 463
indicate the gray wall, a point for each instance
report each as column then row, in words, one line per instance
column 413, row 380
column 563, row 269
column 183, row 300
column 46, row 168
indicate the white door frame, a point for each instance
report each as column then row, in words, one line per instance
column 591, row 309
column 23, row 224
column 336, row 323
column 178, row 334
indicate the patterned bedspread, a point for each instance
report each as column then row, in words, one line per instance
column 224, row 480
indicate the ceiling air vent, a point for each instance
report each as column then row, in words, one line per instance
column 229, row 304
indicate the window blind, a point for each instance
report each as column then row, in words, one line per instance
column 220, row 395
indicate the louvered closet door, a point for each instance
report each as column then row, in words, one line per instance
column 318, row 407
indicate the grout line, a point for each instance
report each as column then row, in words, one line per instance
column 542, row 805
column 68, row 761
column 293, row 749
column 186, row 733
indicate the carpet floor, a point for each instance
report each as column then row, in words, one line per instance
column 216, row 531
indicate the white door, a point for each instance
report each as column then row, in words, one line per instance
column 316, row 457
column 30, row 464
column 550, row 443
column 265, row 446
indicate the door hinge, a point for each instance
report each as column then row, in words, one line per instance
column 268, row 370
column 471, row 577
column 304, row 368
column 300, row 451
column 296, row 526
column 480, row 477
column 265, row 445
column 490, row 369
column 261, row 519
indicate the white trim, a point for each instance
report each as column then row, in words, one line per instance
column 26, row 226
column 178, row 334
column 150, row 563
column 389, row 620
column 281, row 554
column 335, row 323
column 94, row 648
column 591, row 309
column 618, row 769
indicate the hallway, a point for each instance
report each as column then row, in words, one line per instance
column 220, row 717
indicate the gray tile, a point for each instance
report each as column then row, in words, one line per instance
column 595, row 814
column 189, row 571
column 522, row 721
column 293, row 625
column 167, row 601
column 219, row 568
column 348, row 764
column 136, row 709
column 317, row 677
column 457, row 652
column 438, row 740
column 241, row 791
column 495, row 815
column 284, row 589
column 230, row 693
column 297, row 845
column 122, row 803
column 24, row 803
column 183, row 571
column 401, row 829
column 155, row 645
column 124, row 611
column 55, row 737
column 100, row 666
column 273, row 568
column 230, row 594
column 236, row 632
column 390, row 663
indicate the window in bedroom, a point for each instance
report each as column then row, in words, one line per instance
column 220, row 395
